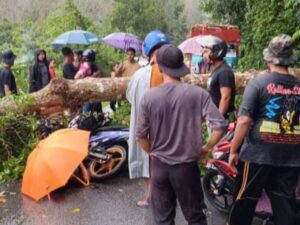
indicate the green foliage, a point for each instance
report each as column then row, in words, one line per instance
column 141, row 17
column 230, row 11
column 65, row 18
column 17, row 139
column 138, row 17
column 19, row 134
column 176, row 20
column 21, row 72
column 264, row 20
column 122, row 114
column 6, row 35
column 259, row 22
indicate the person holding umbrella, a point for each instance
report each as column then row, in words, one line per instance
column 142, row 80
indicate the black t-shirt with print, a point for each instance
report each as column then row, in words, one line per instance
column 222, row 76
column 7, row 78
column 273, row 102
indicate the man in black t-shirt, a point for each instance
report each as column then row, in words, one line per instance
column 7, row 78
column 269, row 121
column 221, row 82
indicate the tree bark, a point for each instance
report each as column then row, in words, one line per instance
column 63, row 94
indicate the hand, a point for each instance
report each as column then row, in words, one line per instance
column 205, row 151
column 233, row 159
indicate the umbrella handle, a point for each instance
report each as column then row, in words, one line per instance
column 85, row 181
column 86, row 178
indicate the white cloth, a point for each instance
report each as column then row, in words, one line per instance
column 138, row 160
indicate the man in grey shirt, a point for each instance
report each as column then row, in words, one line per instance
column 169, row 129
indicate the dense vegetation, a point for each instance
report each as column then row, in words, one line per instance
column 259, row 21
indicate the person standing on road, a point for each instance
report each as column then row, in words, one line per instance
column 221, row 85
column 269, row 119
column 7, row 79
column 143, row 79
column 169, row 129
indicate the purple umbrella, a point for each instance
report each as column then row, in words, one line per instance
column 123, row 41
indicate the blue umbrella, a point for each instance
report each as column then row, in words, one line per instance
column 77, row 37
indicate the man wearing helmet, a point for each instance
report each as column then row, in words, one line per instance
column 143, row 79
column 269, row 120
column 221, row 83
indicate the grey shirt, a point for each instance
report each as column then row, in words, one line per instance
column 171, row 116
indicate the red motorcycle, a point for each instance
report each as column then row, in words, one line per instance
column 219, row 181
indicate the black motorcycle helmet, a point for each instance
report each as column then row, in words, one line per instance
column 89, row 55
column 217, row 46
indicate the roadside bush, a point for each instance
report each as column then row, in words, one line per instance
column 122, row 114
column 17, row 139
column 19, row 134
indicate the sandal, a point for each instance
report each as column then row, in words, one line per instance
column 143, row 203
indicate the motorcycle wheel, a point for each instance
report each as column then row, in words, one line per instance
column 217, row 191
column 99, row 170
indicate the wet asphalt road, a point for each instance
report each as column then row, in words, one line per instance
column 107, row 203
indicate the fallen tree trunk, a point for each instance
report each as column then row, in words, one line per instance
column 63, row 94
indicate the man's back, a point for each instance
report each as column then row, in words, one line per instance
column 273, row 101
column 176, row 111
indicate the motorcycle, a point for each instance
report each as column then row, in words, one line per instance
column 108, row 145
column 219, row 181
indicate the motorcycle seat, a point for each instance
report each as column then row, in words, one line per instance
column 110, row 128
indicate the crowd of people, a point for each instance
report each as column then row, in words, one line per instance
column 165, row 131
column 77, row 64
column 166, row 118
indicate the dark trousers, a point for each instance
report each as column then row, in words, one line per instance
column 181, row 182
column 92, row 107
column 279, row 184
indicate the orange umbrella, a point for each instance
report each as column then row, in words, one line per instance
column 53, row 161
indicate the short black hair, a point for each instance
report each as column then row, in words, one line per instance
column 155, row 48
column 78, row 52
column 130, row 50
column 66, row 51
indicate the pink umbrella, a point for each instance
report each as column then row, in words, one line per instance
column 192, row 46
